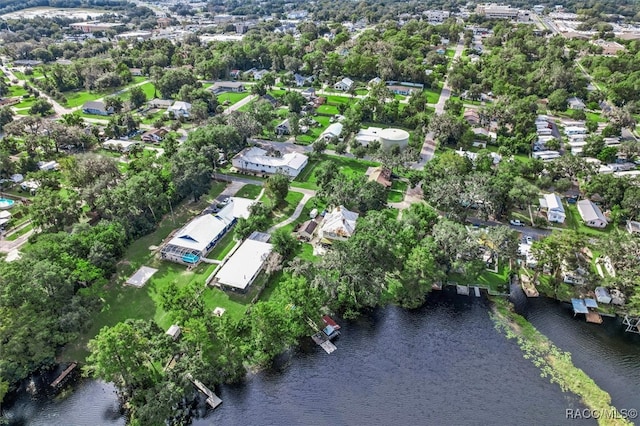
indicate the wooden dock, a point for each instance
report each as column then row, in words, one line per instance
column 476, row 291
column 593, row 317
column 212, row 398
column 64, row 374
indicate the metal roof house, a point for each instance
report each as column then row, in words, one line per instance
column 244, row 266
column 591, row 214
column 256, row 160
column 196, row 239
column 554, row 208
column 339, row 224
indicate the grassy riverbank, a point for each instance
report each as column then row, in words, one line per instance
column 552, row 362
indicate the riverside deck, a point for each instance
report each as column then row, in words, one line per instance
column 212, row 399
column 64, row 374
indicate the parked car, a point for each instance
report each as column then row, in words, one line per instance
column 516, row 222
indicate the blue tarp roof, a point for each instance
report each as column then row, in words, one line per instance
column 328, row 330
column 590, row 303
column 579, row 307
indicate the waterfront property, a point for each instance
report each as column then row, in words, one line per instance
column 197, row 238
column 257, row 160
column 588, row 307
column 339, row 224
column 552, row 205
column 244, row 265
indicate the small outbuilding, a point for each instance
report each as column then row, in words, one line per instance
column 174, row 332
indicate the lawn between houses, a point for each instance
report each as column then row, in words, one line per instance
column 121, row 302
column 349, row 166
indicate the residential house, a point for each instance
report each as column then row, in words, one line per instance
column 273, row 101
column 120, row 145
column 160, row 103
column 244, row 266
column 283, row 128
column 136, row 72
column 227, row 86
column 301, row 80
column 576, row 103
column 235, row 73
column 180, row 109
column 332, row 132
column 591, row 214
column 155, row 135
column 345, row 84
column 308, row 93
column 552, row 204
column 471, row 116
column 374, row 81
column 339, row 224
column 257, row 160
column 96, row 108
column 258, row 74
column 196, row 239
column 48, row 165
column 381, row 175
column 633, row 227
column 401, row 90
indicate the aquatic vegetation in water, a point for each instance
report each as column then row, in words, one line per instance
column 554, row 363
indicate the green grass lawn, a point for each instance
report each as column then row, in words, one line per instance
column 495, row 281
column 25, row 103
column 450, row 53
column 223, row 247
column 152, row 118
column 78, row 98
column 314, row 132
column 20, row 232
column 362, row 92
column 335, row 100
column 148, row 89
column 246, row 107
column 312, row 203
column 593, row 116
column 350, row 166
column 284, row 211
column 574, row 221
column 433, row 94
column 328, row 109
column 565, row 291
column 16, row 90
column 399, row 185
column 391, row 213
column 395, row 196
column 122, row 302
column 232, row 97
column 249, row 191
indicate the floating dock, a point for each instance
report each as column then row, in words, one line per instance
column 588, row 307
column 212, row 398
column 476, row 291
column 64, row 374
column 462, row 289
column 323, row 337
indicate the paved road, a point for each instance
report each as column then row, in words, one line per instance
column 536, row 233
column 59, row 109
column 429, row 146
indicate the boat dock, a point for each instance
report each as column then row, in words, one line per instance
column 64, row 374
column 588, row 307
column 462, row 289
column 323, row 337
column 212, row 398
column 476, row 291
column 632, row 324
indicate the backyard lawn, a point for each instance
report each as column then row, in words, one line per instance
column 433, row 94
column 232, row 97
column 122, row 302
column 314, row 132
column 349, row 166
column 249, row 191
column 574, row 221
column 495, row 281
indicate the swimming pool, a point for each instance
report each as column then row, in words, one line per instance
column 6, row 203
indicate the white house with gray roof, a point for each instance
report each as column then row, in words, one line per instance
column 591, row 214
column 257, row 160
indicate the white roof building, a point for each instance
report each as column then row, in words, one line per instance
column 554, row 207
column 591, row 214
column 387, row 137
column 120, row 145
column 242, row 268
column 339, row 224
column 345, row 84
column 256, row 160
column 333, row 131
column 180, row 109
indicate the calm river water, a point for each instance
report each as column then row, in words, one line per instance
column 441, row 364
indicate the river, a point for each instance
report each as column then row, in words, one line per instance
column 441, row 364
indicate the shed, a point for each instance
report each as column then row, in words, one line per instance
column 602, row 295
column 579, row 306
column 174, row 332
